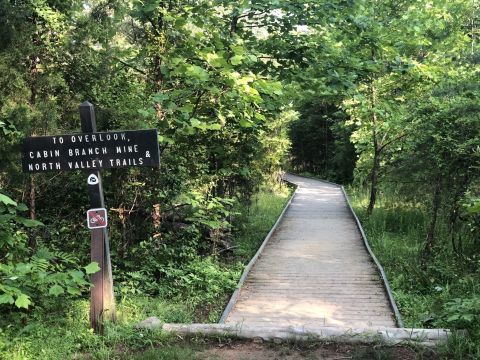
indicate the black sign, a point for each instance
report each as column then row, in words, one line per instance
column 98, row 150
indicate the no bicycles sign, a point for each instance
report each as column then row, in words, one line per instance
column 97, row 218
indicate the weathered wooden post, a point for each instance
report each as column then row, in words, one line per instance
column 91, row 151
column 102, row 300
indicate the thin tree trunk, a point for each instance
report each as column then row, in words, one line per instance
column 33, row 74
column 376, row 156
column 234, row 24
column 430, row 239
column 455, row 213
column 34, row 62
column 452, row 221
column 33, row 99
column 374, row 182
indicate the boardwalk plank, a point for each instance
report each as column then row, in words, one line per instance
column 315, row 269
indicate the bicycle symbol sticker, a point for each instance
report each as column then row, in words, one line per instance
column 97, row 218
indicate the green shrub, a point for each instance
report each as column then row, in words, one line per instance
column 31, row 274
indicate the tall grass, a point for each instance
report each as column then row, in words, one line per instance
column 442, row 290
column 257, row 218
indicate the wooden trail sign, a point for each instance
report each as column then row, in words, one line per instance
column 92, row 151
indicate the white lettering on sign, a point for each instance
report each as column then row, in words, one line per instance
column 88, row 138
column 87, row 164
column 45, row 166
column 126, row 149
column 87, row 151
column 91, row 151
column 45, row 154
column 126, row 162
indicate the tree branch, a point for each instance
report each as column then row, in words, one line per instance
column 383, row 146
column 131, row 66
column 197, row 102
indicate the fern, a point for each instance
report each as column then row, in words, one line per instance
column 39, row 264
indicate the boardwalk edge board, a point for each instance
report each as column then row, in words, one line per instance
column 385, row 282
column 247, row 269
column 391, row 336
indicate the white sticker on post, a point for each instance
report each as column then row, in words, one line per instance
column 92, row 179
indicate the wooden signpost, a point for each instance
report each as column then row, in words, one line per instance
column 92, row 151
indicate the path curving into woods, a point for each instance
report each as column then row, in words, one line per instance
column 315, row 269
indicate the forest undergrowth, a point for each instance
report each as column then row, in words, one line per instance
column 196, row 292
column 437, row 291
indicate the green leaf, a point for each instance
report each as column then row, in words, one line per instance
column 236, row 60
column 197, row 72
column 468, row 317
column 214, row 126
column 92, row 268
column 475, row 208
column 6, row 299
column 22, row 207
column 245, row 123
column 237, row 49
column 73, row 291
column 76, row 275
column 56, row 290
column 29, row 222
column 453, row 318
column 216, row 60
column 6, row 200
column 187, row 108
column 195, row 122
column 259, row 116
column 22, row 301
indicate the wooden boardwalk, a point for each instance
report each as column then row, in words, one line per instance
column 315, row 270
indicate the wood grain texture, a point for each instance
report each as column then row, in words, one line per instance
column 315, row 270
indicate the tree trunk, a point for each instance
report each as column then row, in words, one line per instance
column 430, row 239
column 452, row 221
column 376, row 155
column 374, row 182
column 455, row 212
column 33, row 72
column 234, row 24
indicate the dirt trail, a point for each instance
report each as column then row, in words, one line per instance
column 252, row 351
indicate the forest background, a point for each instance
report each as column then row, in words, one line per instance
column 380, row 95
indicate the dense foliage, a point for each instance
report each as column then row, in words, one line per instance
column 404, row 86
column 383, row 94
column 183, row 68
